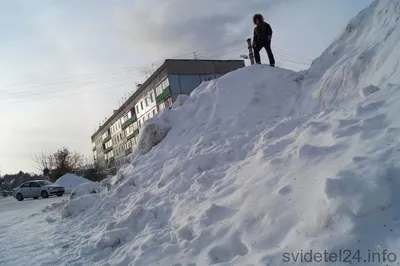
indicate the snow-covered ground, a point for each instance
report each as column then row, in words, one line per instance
column 255, row 167
column 27, row 233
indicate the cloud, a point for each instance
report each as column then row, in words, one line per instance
column 174, row 27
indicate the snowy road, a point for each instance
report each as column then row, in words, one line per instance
column 26, row 238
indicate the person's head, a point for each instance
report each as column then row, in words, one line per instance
column 257, row 19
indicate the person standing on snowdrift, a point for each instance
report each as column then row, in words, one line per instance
column 262, row 39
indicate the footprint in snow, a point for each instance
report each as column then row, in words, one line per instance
column 285, row 190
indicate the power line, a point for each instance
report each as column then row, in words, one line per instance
column 40, row 92
column 128, row 68
column 292, row 54
column 71, row 94
column 217, row 54
column 223, row 54
column 66, row 84
column 205, row 53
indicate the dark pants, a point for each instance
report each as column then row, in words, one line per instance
column 267, row 47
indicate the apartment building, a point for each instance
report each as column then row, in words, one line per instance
column 118, row 136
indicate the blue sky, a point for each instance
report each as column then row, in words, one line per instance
column 66, row 64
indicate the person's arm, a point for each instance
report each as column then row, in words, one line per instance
column 255, row 36
column 268, row 32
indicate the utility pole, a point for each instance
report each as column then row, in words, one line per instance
column 251, row 55
column 194, row 55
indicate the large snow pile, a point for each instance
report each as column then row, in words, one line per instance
column 71, row 181
column 263, row 164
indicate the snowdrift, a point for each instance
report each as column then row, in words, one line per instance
column 71, row 181
column 262, row 164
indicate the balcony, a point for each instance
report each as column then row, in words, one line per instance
column 166, row 92
column 128, row 122
column 128, row 151
column 108, row 149
column 106, row 139
column 133, row 134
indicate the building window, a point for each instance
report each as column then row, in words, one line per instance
column 154, row 112
column 152, row 97
column 141, row 105
column 137, row 108
column 159, row 89
column 146, row 101
column 165, row 83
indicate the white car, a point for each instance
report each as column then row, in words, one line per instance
column 37, row 188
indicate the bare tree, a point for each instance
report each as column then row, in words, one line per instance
column 59, row 163
column 76, row 160
column 43, row 160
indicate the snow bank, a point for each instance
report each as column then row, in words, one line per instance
column 153, row 132
column 180, row 101
column 54, row 206
column 71, row 181
column 252, row 166
column 366, row 53
column 86, row 188
column 76, row 205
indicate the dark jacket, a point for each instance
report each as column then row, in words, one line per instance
column 262, row 34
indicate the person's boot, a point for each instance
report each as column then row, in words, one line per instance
column 273, row 65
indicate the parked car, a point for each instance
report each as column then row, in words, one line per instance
column 37, row 188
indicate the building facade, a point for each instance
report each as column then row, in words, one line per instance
column 118, row 136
